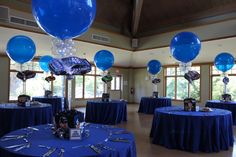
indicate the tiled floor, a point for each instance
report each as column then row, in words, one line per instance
column 140, row 125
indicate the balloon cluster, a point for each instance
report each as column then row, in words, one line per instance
column 185, row 47
column 224, row 62
column 154, row 67
column 64, row 20
column 63, row 48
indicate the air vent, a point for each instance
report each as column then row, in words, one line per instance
column 4, row 14
column 17, row 20
column 100, row 38
column 31, row 23
column 134, row 43
column 24, row 22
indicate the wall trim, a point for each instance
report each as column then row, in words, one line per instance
column 76, row 39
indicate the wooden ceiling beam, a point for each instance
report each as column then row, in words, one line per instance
column 136, row 16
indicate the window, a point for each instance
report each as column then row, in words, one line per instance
column 59, row 86
column 79, row 86
column 177, row 87
column 217, row 85
column 90, row 85
column 35, row 86
column 116, row 83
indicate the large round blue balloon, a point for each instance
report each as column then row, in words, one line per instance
column 154, row 67
column 224, row 61
column 185, row 46
column 21, row 49
column 104, row 59
column 43, row 62
column 64, row 19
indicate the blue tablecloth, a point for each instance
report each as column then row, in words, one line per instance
column 148, row 104
column 13, row 117
column 98, row 134
column 192, row 131
column 112, row 112
column 58, row 103
column 231, row 106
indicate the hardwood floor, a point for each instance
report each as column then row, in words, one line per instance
column 140, row 125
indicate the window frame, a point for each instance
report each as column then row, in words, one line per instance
column 216, row 75
column 95, row 75
column 114, row 78
column 36, row 71
column 175, row 76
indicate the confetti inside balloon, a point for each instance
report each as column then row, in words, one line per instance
column 224, row 61
column 64, row 19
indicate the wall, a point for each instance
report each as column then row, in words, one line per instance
column 143, row 85
column 4, row 79
column 145, row 88
column 139, row 79
column 126, row 85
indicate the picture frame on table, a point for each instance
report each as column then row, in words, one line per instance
column 75, row 134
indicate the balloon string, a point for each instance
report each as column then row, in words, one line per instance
column 225, row 85
column 193, row 85
column 69, row 94
column 21, row 67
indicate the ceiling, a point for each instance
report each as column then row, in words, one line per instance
column 153, row 23
column 123, row 58
column 139, row 18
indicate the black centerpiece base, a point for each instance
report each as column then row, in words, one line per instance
column 155, row 94
column 189, row 104
column 67, row 126
column 226, row 97
column 105, row 97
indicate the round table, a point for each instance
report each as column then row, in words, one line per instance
column 230, row 105
column 192, row 131
column 149, row 104
column 112, row 112
column 13, row 117
column 58, row 103
column 107, row 140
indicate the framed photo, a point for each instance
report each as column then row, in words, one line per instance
column 75, row 134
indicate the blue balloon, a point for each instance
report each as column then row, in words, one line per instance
column 224, row 61
column 21, row 49
column 44, row 61
column 185, row 46
column 154, row 67
column 104, row 59
column 64, row 19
